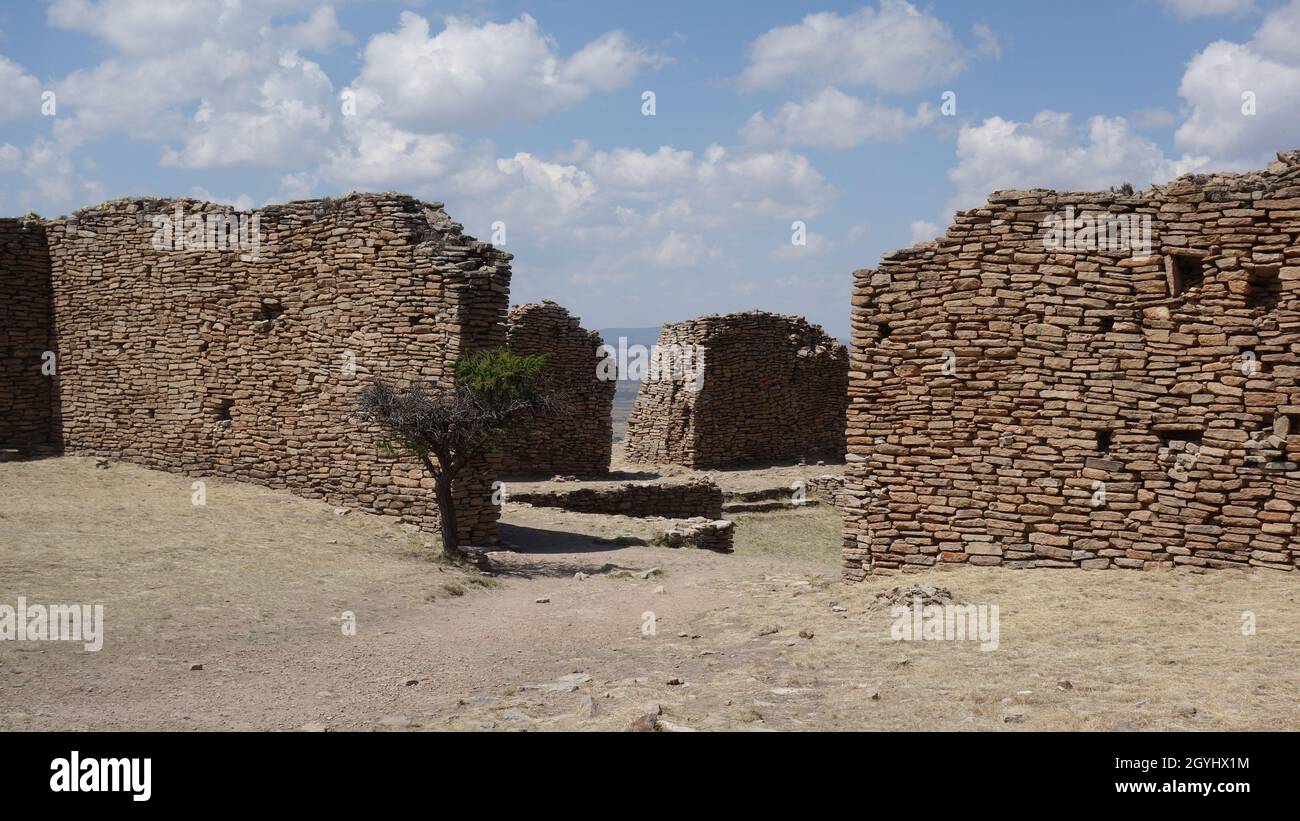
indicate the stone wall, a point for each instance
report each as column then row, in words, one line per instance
column 671, row 499
column 578, row 440
column 1097, row 406
column 28, row 414
column 248, row 365
column 773, row 388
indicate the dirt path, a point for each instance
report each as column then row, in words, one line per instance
column 253, row 586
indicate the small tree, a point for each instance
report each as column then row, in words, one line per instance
column 448, row 428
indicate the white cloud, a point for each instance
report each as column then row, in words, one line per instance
column 319, row 32
column 290, row 123
column 1189, row 9
column 144, row 27
column 833, row 119
column 923, row 230
column 682, row 250
column 1267, row 67
column 481, row 76
column 21, row 95
column 815, row 245
column 986, row 40
column 11, row 158
column 895, row 48
column 1050, row 152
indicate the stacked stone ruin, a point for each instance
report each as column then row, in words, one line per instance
column 1027, row 396
column 579, row 437
column 670, row 499
column 768, row 388
column 247, row 362
column 27, row 401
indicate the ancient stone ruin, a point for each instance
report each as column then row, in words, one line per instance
column 190, row 338
column 28, row 406
column 668, row 498
column 741, row 388
column 1084, row 379
column 579, row 438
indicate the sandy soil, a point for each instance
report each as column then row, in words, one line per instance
column 253, row 585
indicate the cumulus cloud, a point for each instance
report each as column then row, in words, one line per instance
column 1051, row 152
column 1244, row 98
column 894, row 48
column 291, row 120
column 833, row 119
column 21, row 97
column 481, row 76
column 923, row 230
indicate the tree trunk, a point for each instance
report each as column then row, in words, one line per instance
column 446, row 512
column 447, row 517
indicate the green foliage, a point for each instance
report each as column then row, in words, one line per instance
column 502, row 378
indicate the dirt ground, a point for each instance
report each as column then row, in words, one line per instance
column 253, row 586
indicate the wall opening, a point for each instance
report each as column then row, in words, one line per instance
column 1104, row 440
column 1107, row 324
column 224, row 407
column 1265, row 288
column 1186, row 273
column 1180, row 435
column 884, row 330
column 271, row 309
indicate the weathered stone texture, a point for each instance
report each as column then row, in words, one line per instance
column 1105, row 410
column 210, row 362
column 700, row 532
column 27, row 409
column 669, row 499
column 772, row 388
column 580, row 439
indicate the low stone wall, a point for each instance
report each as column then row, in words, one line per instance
column 826, row 489
column 701, row 533
column 671, row 500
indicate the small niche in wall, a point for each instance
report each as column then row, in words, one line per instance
column 1104, row 440
column 1265, row 288
column 1179, row 435
column 1106, row 325
column 271, row 309
column 1186, row 272
column 224, row 409
column 884, row 330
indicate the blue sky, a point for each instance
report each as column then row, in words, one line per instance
column 530, row 114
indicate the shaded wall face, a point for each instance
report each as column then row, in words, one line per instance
column 1021, row 406
column 216, row 362
column 28, row 413
column 579, row 439
column 773, row 388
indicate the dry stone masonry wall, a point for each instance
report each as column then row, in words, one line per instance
column 669, row 499
column 247, row 362
column 771, row 388
column 579, row 439
column 27, row 399
column 1030, row 397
